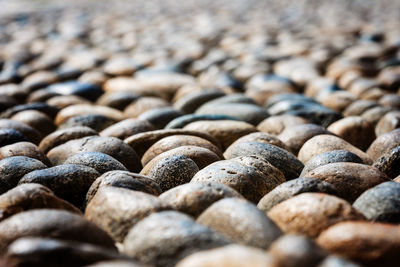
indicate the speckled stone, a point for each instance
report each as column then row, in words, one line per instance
column 26, row 149
column 193, row 198
column 99, row 161
column 169, row 236
column 228, row 256
column 296, row 250
column 311, row 213
column 383, row 144
column 283, row 160
column 350, row 179
column 172, row 171
column 329, row 157
column 124, row 179
column 241, row 222
column 247, row 180
column 175, row 141
column 293, row 188
column 12, row 169
column 275, row 125
column 111, row 146
column 52, row 223
column 135, row 205
column 380, row 203
column 261, row 137
column 389, row 163
column 69, row 181
column 31, row 196
column 371, row 244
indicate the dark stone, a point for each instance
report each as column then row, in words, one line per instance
column 117, row 100
column 85, row 90
column 30, row 133
column 190, row 102
column 95, row 121
column 99, row 161
column 69, row 181
column 159, row 117
column 51, row 111
column 10, row 136
column 184, row 120
column 389, row 163
column 380, row 203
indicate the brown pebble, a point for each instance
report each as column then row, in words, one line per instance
column 383, row 144
column 26, row 149
column 132, row 207
column 37, row 120
column 262, row 137
column 126, row 128
column 29, row 132
column 389, row 122
column 144, row 104
column 311, row 213
column 371, row 244
column 64, row 101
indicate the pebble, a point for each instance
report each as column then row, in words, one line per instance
column 117, row 100
column 311, row 213
column 241, row 222
column 96, row 122
column 26, row 149
column 10, row 136
column 380, row 203
column 388, row 162
column 193, row 198
column 370, row 244
column 230, row 255
column 160, row 117
column 169, row 236
column 293, row 188
column 126, row 128
column 53, row 224
column 37, row 120
column 117, row 222
column 261, row 137
column 144, row 104
column 190, row 102
column 383, row 144
column 350, row 179
column 389, row 122
column 276, row 124
column 86, row 90
column 99, row 161
column 184, row 120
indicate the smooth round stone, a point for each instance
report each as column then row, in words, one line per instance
column 64, row 101
column 371, row 244
column 311, row 213
column 325, row 143
column 12, row 169
column 275, row 125
column 380, row 203
column 329, row 157
column 93, row 77
column 108, row 145
column 389, row 162
column 241, row 222
column 164, row 238
column 96, row 122
column 337, row 100
column 317, row 115
column 194, row 198
column 389, row 122
column 124, row 179
column 117, row 100
column 68, row 181
column 160, row 117
column 192, row 101
column 27, row 131
column 296, row 250
column 383, row 144
column 47, row 109
column 350, row 179
column 373, row 115
column 52, row 223
column 283, row 160
column 247, row 180
column 232, row 99
column 390, row 100
column 231, row 255
column 175, row 141
column 201, row 156
column 225, row 131
column 144, row 104
column 99, row 161
column 120, row 66
column 127, row 84
column 295, row 136
column 283, row 106
column 78, row 110
column 261, row 137
column 31, row 196
column 10, row 136
column 41, row 95
column 38, row 80
column 143, row 141
column 335, row 261
column 26, row 149
column 117, row 210
column 293, row 188
column 355, row 130
column 7, row 102
column 359, row 107
column 249, row 113
column 85, row 90
column 126, row 128
column 62, row 136
column 173, row 171
column 47, row 252
column 184, row 120
column 37, row 120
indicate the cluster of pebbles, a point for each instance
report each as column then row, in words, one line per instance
column 200, row 133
